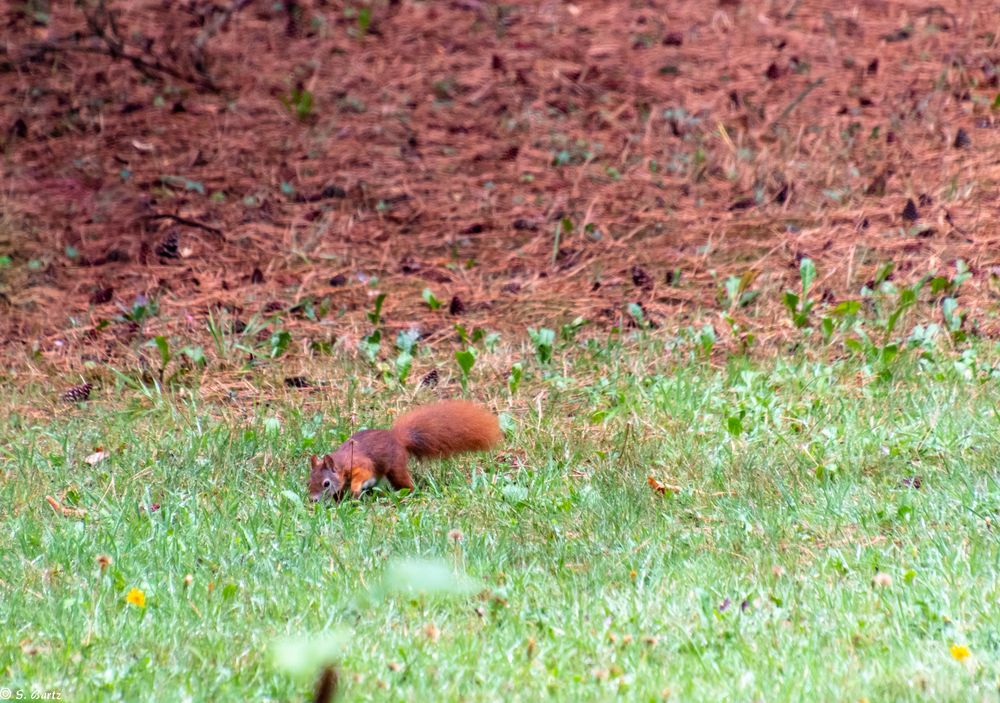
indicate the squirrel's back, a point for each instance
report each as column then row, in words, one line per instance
column 447, row 427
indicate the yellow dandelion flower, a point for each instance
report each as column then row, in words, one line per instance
column 136, row 598
column 960, row 652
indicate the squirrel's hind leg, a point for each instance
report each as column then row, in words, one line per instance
column 399, row 478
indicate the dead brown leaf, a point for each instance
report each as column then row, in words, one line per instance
column 97, row 457
column 660, row 487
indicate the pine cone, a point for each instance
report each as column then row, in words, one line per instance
column 430, row 379
column 641, row 278
column 78, row 394
column 962, row 140
column 168, row 247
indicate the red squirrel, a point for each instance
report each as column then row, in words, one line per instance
column 437, row 430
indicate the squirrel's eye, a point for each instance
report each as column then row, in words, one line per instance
column 326, row 483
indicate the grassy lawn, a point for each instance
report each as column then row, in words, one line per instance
column 833, row 537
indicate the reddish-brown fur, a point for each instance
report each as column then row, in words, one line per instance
column 431, row 431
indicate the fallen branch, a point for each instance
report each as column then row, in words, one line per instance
column 151, row 68
column 183, row 221
column 65, row 511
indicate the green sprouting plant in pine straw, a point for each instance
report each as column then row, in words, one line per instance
column 837, row 541
column 799, row 304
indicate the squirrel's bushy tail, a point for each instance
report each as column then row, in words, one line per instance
column 447, row 427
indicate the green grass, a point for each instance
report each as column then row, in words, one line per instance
column 754, row 582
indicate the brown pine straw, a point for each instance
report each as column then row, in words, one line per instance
column 697, row 134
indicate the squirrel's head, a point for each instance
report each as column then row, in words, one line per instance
column 326, row 478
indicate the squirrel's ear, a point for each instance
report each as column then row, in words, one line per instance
column 315, row 462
